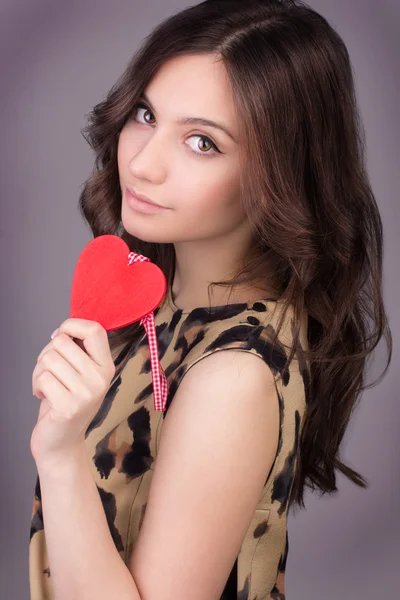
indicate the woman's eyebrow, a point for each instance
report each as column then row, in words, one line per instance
column 194, row 120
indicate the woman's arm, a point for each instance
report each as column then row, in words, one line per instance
column 217, row 445
column 84, row 562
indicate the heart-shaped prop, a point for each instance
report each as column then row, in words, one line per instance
column 107, row 289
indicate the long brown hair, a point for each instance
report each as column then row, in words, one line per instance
column 304, row 186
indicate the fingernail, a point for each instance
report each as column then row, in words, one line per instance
column 54, row 333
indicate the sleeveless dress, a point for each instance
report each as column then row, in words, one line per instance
column 122, row 439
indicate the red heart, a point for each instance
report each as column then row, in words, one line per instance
column 105, row 288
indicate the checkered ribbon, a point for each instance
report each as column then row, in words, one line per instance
column 160, row 384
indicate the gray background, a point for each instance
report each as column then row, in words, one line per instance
column 57, row 60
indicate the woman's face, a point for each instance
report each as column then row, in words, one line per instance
column 175, row 164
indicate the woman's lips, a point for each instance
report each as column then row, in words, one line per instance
column 140, row 205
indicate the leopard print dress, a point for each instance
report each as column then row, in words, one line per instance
column 123, row 437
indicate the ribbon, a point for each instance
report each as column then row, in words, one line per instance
column 160, row 384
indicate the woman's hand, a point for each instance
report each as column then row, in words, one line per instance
column 71, row 378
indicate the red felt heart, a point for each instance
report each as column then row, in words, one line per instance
column 105, row 288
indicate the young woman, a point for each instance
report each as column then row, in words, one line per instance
column 239, row 120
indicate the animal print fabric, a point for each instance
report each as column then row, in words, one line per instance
column 122, row 439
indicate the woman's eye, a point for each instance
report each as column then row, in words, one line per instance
column 209, row 142
column 136, row 108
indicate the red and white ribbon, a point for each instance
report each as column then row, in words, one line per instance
column 160, row 384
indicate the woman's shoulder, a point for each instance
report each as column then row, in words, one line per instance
column 248, row 327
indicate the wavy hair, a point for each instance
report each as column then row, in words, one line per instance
column 304, row 186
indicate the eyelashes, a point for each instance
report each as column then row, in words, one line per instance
column 215, row 149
